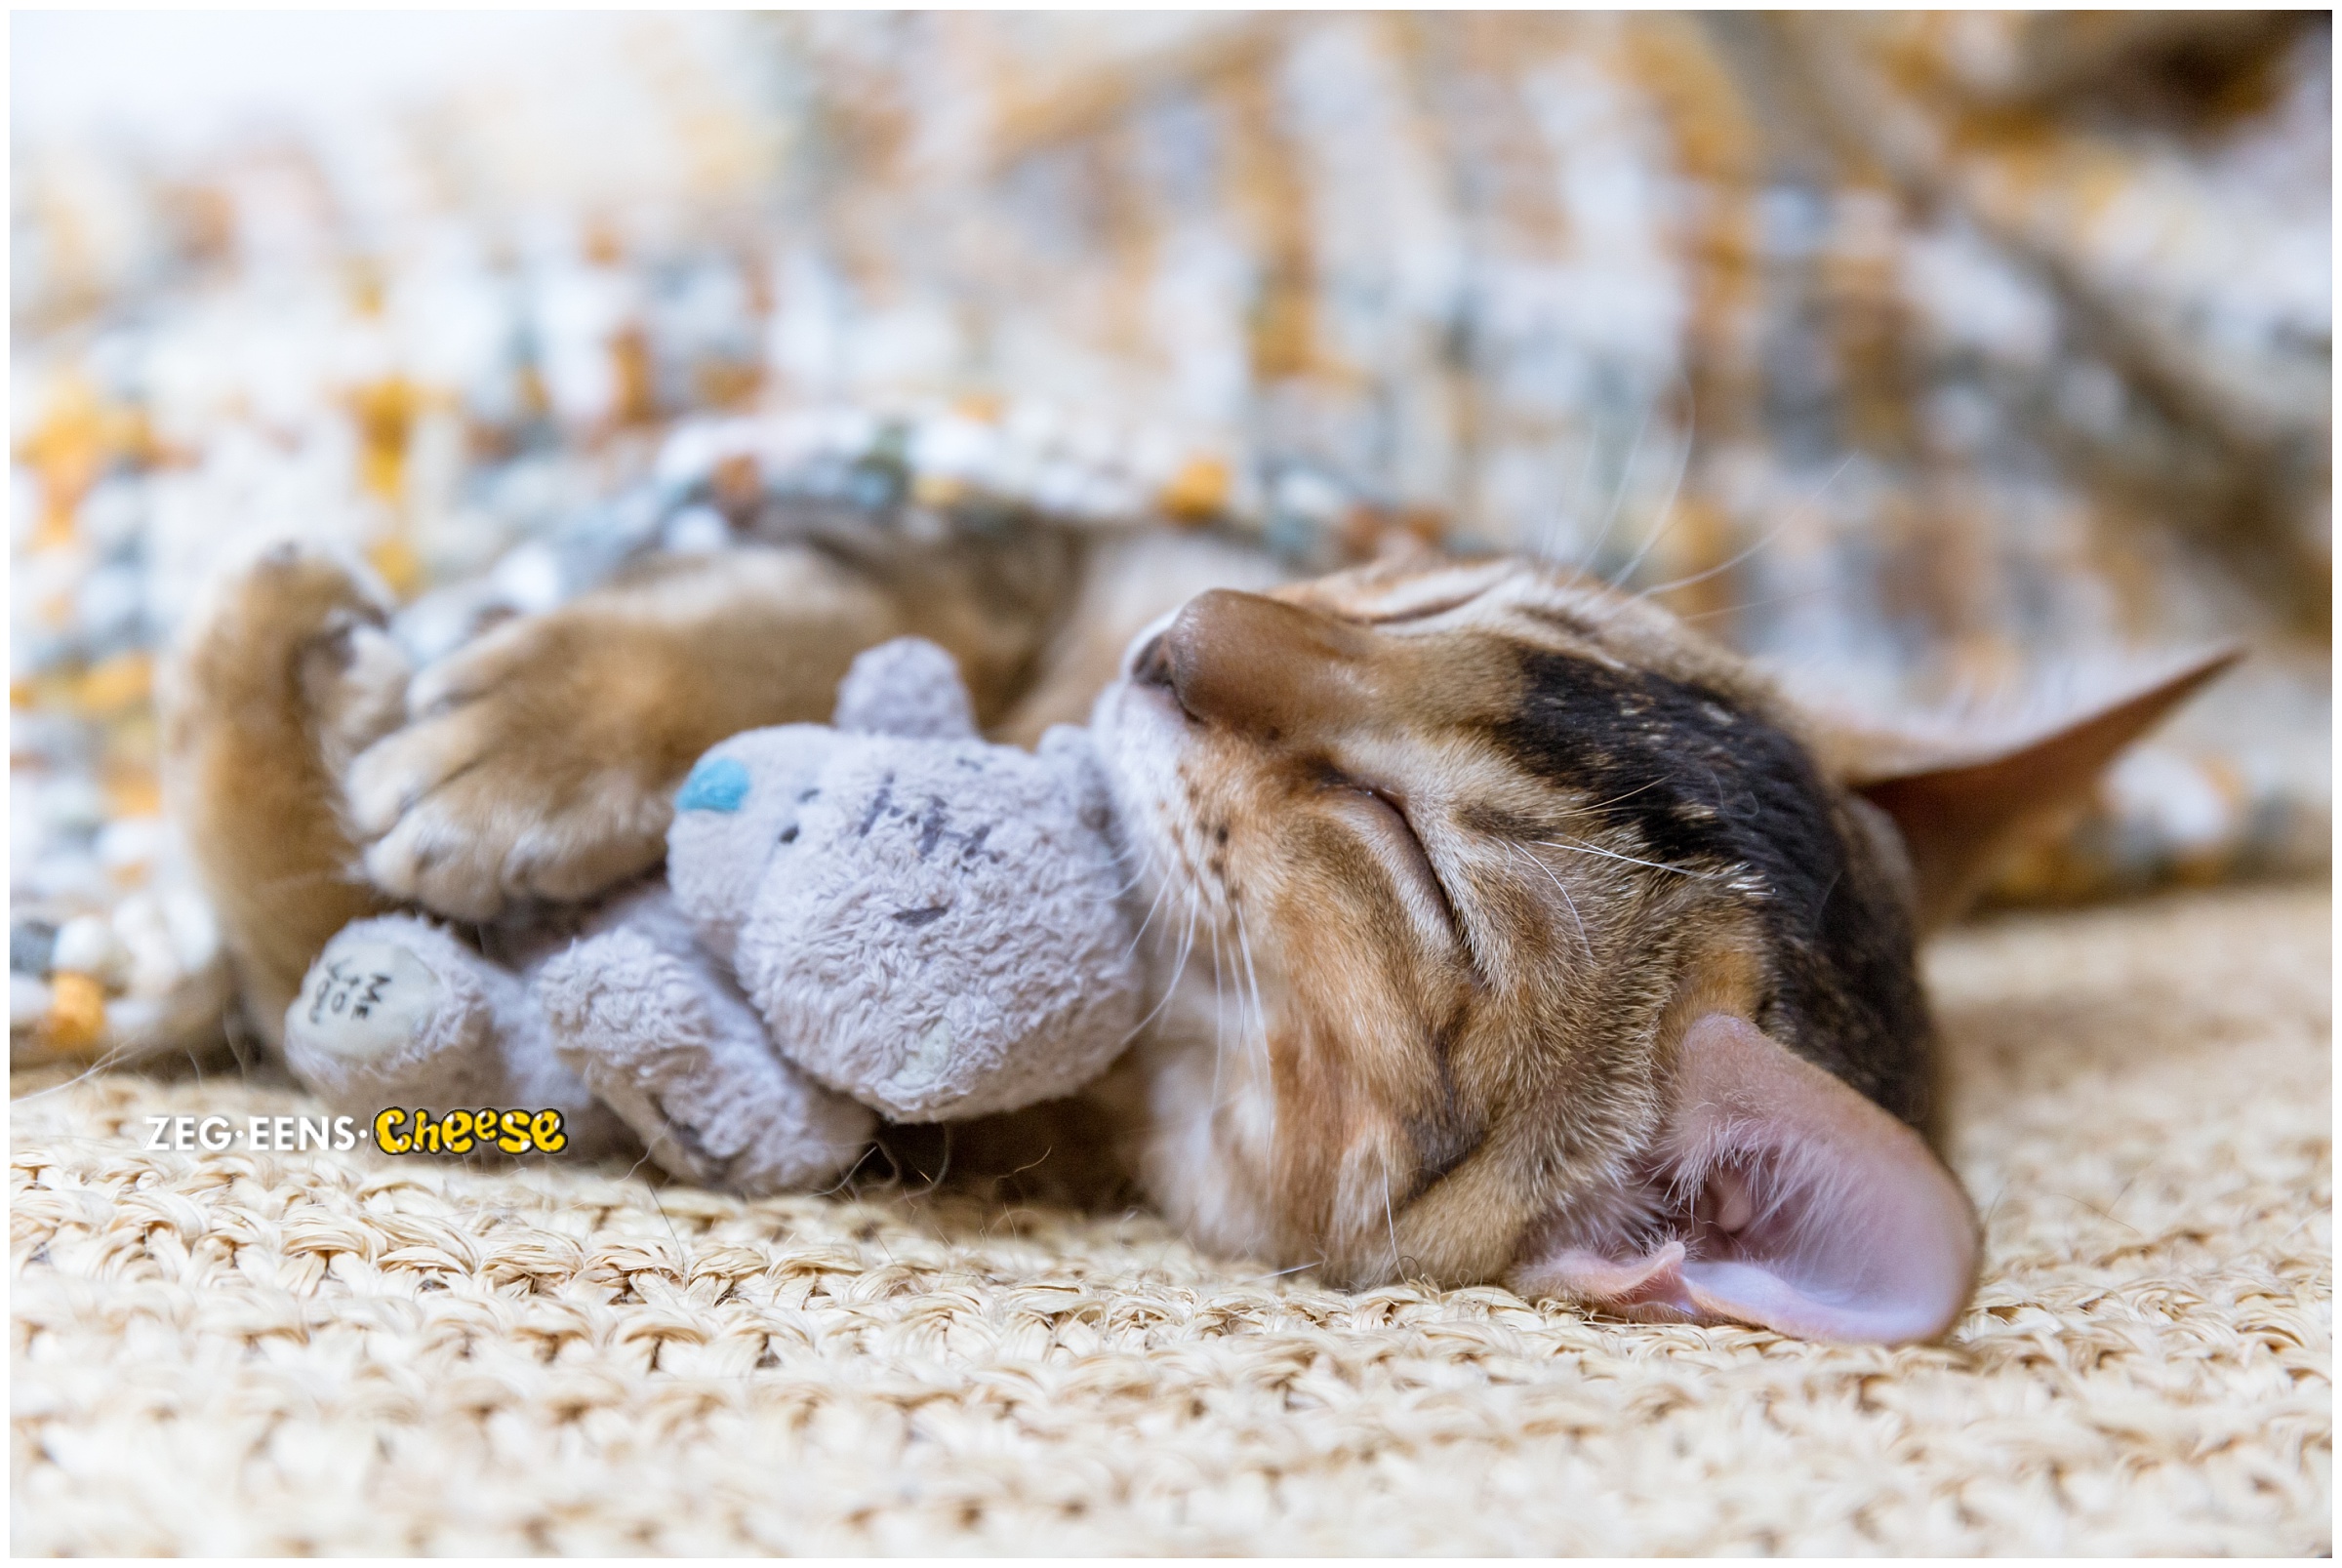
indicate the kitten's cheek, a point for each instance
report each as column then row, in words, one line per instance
column 1139, row 743
column 1160, row 702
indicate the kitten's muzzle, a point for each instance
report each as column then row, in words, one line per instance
column 1257, row 665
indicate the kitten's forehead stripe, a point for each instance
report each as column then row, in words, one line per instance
column 1708, row 788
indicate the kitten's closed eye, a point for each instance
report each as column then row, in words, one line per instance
column 1381, row 816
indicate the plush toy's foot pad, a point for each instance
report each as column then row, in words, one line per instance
column 365, row 1000
column 677, row 1053
column 395, row 1008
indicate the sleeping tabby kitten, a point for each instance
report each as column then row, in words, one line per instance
column 1540, row 940
column 1503, row 928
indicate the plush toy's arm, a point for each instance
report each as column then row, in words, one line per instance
column 669, row 1043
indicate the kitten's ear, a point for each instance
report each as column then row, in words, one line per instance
column 1963, row 800
column 1797, row 1204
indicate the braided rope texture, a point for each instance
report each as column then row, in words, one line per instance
column 314, row 1352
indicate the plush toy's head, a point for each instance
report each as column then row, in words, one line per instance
column 929, row 923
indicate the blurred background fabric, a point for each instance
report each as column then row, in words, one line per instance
column 1929, row 356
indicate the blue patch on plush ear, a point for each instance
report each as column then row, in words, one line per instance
column 717, row 783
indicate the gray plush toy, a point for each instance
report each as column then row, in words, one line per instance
column 885, row 915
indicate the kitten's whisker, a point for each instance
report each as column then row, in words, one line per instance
column 1162, row 887
column 1131, row 853
column 104, row 1061
column 1135, row 851
column 276, row 884
column 1562, row 889
column 1186, row 942
column 1170, row 988
column 1390, row 1218
column 1613, row 854
column 1585, row 567
column 1152, row 905
column 1546, row 545
column 1770, row 533
column 1219, row 1014
column 1754, row 604
column 1252, row 977
column 1260, row 1011
column 1581, row 810
column 1118, row 894
column 1674, row 489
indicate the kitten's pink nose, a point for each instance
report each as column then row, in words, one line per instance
column 1257, row 664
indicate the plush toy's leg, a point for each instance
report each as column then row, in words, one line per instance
column 676, row 1051
column 397, row 1012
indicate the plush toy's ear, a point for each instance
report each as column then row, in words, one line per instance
column 909, row 687
column 1794, row 1204
column 1963, row 800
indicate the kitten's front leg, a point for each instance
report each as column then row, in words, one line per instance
column 283, row 675
column 539, row 761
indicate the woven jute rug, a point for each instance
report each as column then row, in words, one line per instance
column 272, row 1352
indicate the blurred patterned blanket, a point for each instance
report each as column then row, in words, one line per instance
column 1921, row 354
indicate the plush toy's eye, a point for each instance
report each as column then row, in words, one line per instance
column 717, row 783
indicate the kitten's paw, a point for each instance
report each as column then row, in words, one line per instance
column 685, row 1061
column 530, row 772
column 283, row 672
column 255, row 624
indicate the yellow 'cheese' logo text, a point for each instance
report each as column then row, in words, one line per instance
column 462, row 1132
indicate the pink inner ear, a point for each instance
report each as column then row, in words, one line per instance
column 1794, row 1203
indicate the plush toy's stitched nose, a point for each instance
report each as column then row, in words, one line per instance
column 1259, row 665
